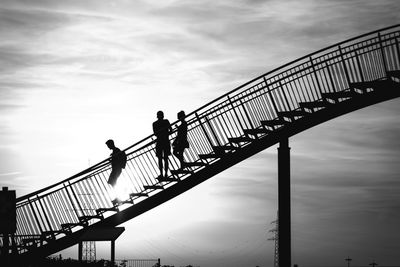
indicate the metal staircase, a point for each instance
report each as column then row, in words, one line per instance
column 326, row 84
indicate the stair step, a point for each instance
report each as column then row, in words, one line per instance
column 338, row 95
column 139, row 195
column 364, row 85
column 90, row 217
column 169, row 179
column 210, row 156
column 72, row 225
column 314, row 104
column 194, row 164
column 222, row 149
column 257, row 131
column 273, row 123
column 117, row 202
column 394, row 73
column 52, row 233
column 31, row 240
column 242, row 139
column 153, row 187
column 103, row 210
column 292, row 114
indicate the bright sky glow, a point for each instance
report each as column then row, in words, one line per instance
column 76, row 73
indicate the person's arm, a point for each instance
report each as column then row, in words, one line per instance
column 169, row 128
column 154, row 128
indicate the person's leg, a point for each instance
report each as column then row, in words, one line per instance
column 179, row 155
column 166, row 164
column 160, row 165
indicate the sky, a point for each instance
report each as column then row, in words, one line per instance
column 76, row 73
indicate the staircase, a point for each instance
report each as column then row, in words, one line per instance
column 321, row 86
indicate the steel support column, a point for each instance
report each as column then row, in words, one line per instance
column 112, row 252
column 284, row 220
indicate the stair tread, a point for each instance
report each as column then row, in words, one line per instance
column 337, row 95
column 314, row 104
column 395, row 73
column 273, row 123
column 169, row 179
column 89, row 217
column 71, row 225
column 241, row 139
column 364, row 85
column 153, row 187
column 256, row 131
column 194, row 164
column 293, row 113
column 102, row 210
column 210, row 156
column 138, row 195
column 224, row 147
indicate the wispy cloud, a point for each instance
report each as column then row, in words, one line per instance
column 74, row 73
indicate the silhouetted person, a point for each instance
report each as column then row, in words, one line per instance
column 162, row 129
column 181, row 142
column 118, row 162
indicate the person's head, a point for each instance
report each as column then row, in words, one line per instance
column 110, row 144
column 181, row 115
column 160, row 115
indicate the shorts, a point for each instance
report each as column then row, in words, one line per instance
column 163, row 149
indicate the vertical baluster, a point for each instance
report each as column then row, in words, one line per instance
column 284, row 95
column 382, row 53
column 71, row 200
column 246, row 113
column 212, row 130
column 34, row 214
column 235, row 112
column 204, row 130
column 359, row 66
column 271, row 96
column 398, row 51
column 344, row 66
column 45, row 213
column 316, row 77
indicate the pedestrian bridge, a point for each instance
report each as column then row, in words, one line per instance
column 333, row 81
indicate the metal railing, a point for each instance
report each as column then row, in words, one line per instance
column 138, row 263
column 365, row 58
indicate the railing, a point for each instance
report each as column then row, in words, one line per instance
column 138, row 263
column 364, row 58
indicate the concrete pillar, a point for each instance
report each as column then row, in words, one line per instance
column 284, row 218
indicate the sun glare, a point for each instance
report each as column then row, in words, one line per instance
column 122, row 188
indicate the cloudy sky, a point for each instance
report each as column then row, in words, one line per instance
column 76, row 73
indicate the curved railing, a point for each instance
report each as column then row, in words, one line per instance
column 368, row 57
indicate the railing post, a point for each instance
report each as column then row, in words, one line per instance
column 316, row 77
column 34, row 214
column 359, row 66
column 246, row 113
column 398, row 50
column 204, row 130
column 284, row 218
column 45, row 214
column 271, row 96
column 346, row 72
column 382, row 52
column 235, row 112
column 212, row 130
column 284, row 95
